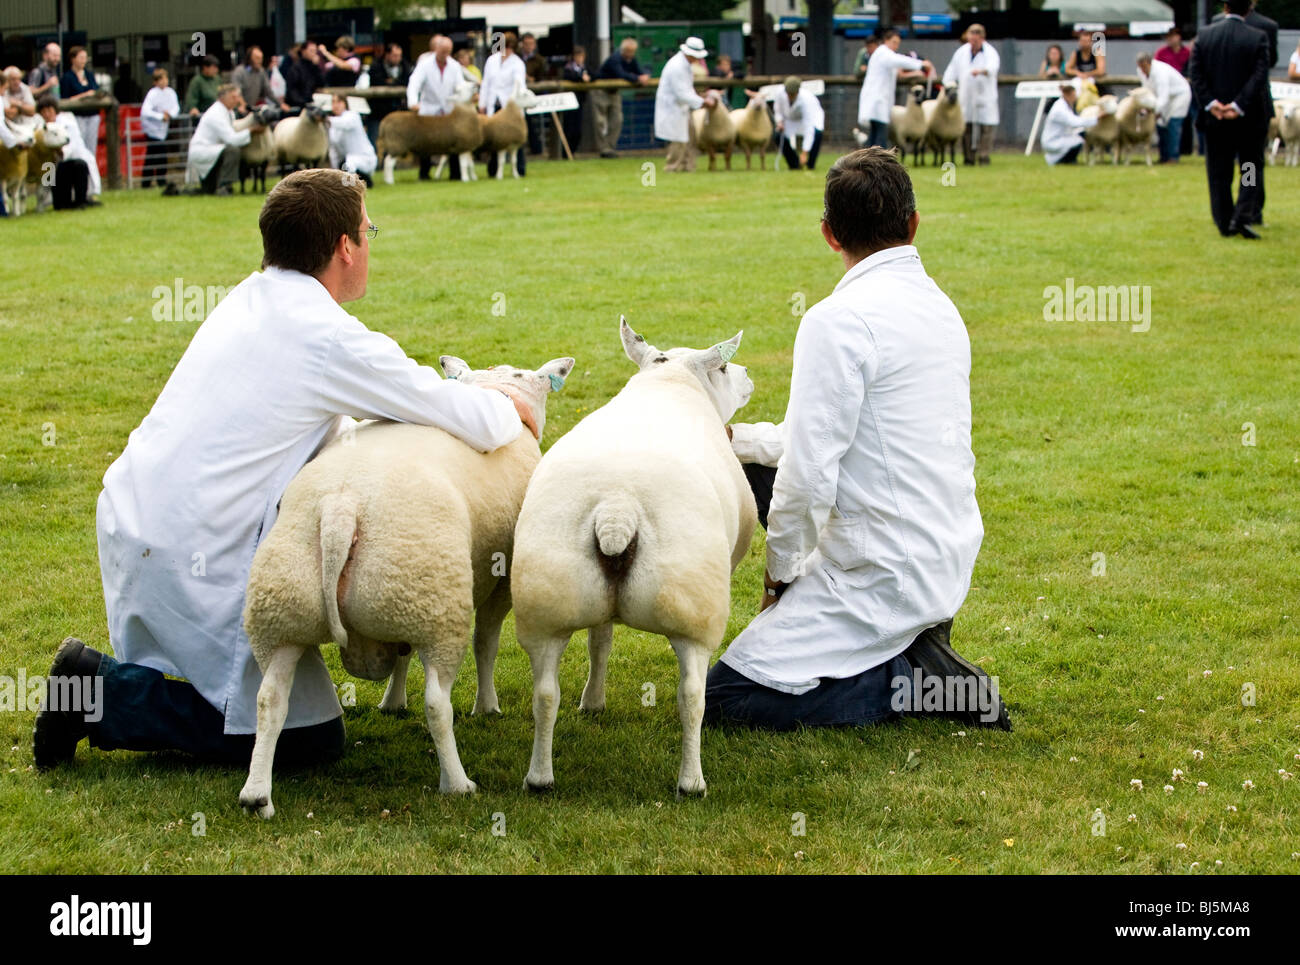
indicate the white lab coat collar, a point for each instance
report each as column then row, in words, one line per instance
column 883, row 257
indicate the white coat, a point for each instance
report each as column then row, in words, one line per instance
column 431, row 89
column 216, row 130
column 1173, row 93
column 263, row 385
column 802, row 119
column 350, row 147
column 159, row 101
column 1061, row 130
column 76, row 150
column 977, row 94
column 878, row 87
column 501, row 78
column 675, row 98
column 873, row 514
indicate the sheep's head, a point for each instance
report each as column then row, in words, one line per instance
column 757, row 102
column 916, row 93
column 267, row 114
column 464, row 91
column 52, row 137
column 1107, row 106
column 530, row 386
column 950, row 94
column 523, row 96
column 316, row 114
column 728, row 386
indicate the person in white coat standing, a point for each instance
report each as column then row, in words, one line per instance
column 974, row 69
column 872, row 524
column 503, row 75
column 674, row 101
column 1062, row 131
column 431, row 91
column 213, row 161
column 1173, row 98
column 877, row 96
column 269, row 378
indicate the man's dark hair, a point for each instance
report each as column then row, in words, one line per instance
column 393, row 45
column 47, row 100
column 887, row 33
column 1173, row 30
column 304, row 215
column 210, row 61
column 869, row 201
column 1240, row 7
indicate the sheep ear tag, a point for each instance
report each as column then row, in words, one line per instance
column 726, row 350
column 557, row 382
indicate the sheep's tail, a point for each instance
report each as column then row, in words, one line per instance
column 615, row 523
column 338, row 526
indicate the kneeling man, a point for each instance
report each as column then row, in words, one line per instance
column 872, row 524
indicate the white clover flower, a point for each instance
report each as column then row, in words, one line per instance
column 1218, row 864
column 1285, row 774
column 1198, row 755
column 1196, row 864
column 1132, row 819
column 1074, row 760
column 1136, row 784
column 1169, row 789
column 1207, row 673
column 1201, row 787
column 1232, row 809
column 1180, row 846
column 1178, row 773
column 1247, row 785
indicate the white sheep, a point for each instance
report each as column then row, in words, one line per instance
column 303, row 138
column 907, row 125
column 638, row 515
column 944, row 124
column 260, row 149
column 714, row 131
column 1287, row 115
column 1136, row 119
column 506, row 131
column 387, row 542
column 753, row 129
column 1104, row 135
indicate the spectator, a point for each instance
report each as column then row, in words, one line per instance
column 1062, row 137
column 202, row 92
column 19, row 104
column 156, row 113
column 431, row 90
column 725, row 68
column 276, row 80
column 502, row 73
column 76, row 177
column 1173, row 95
column 465, row 57
column 390, row 70
column 799, row 118
column 674, row 101
column 974, row 70
column 44, row 78
column 869, row 44
column 350, row 149
column 1174, row 53
column 1293, row 65
column 213, row 163
column 575, row 71
column 1084, row 62
column 1053, row 65
column 345, row 65
column 878, row 89
column 78, row 83
column 534, row 70
column 607, row 105
column 125, row 89
column 303, row 77
column 252, row 80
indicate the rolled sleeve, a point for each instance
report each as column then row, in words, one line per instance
column 757, row 442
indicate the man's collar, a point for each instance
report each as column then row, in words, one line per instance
column 310, row 282
column 882, row 257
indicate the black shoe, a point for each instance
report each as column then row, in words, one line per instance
column 59, row 730
column 609, row 154
column 1245, row 231
column 170, row 190
column 932, row 654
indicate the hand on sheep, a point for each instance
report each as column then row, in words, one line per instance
column 772, row 590
column 525, row 413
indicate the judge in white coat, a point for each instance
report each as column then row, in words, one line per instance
column 268, row 379
column 213, row 160
column 1062, row 131
column 432, row 88
column 800, row 120
column 974, row 70
column 872, row 523
column 350, row 147
column 1173, row 98
column 880, row 84
column 675, row 98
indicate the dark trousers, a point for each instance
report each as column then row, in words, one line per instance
column 225, row 171
column 155, row 162
column 1226, row 143
column 453, row 167
column 1072, row 155
column 71, row 184
column 878, row 136
column 792, row 156
column 146, row 711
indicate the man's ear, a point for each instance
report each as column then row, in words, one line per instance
column 453, row 366
column 830, row 238
column 913, row 223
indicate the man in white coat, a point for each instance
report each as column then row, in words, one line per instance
column 1173, row 98
column 674, row 101
column 213, row 161
column 974, row 69
column 503, row 75
column 350, row 147
column 1062, row 131
column 75, row 149
column 872, row 524
column 268, row 379
column 879, row 86
column 431, row 91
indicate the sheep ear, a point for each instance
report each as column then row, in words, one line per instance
column 636, row 347
column 453, row 366
column 719, row 355
column 556, row 370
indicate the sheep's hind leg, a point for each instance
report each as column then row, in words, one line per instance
column 600, row 639
column 442, row 163
column 437, row 709
column 544, row 656
column 487, row 636
column 693, row 661
column 394, row 699
column 390, row 163
column 272, row 708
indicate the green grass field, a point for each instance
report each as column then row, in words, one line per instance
column 1089, row 438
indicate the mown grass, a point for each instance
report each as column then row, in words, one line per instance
column 1089, row 438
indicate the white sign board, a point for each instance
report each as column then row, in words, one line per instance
column 815, row 87
column 1032, row 90
column 546, row 103
column 1282, row 91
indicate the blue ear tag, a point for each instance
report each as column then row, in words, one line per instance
column 451, row 376
column 727, row 351
column 557, row 382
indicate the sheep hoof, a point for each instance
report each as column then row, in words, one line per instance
column 255, row 803
column 539, row 788
column 492, row 710
column 469, row 787
column 392, row 708
column 699, row 791
column 592, row 708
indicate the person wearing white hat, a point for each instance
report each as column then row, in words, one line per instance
column 674, row 101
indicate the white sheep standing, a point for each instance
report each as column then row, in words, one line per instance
column 1136, row 119
column 638, row 515
column 1104, row 135
column 714, row 131
column 944, row 124
column 389, row 541
column 506, row 131
column 907, row 126
column 303, row 138
column 753, row 128
column 1287, row 115
column 260, row 149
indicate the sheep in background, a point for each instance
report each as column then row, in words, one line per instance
column 753, row 129
column 907, row 125
column 1287, row 115
column 45, row 153
column 13, row 172
column 387, row 542
column 944, row 124
column 638, row 515
column 506, row 131
column 714, row 131
column 428, row 136
column 1136, row 119
column 1104, row 135
column 260, row 149
column 303, row 138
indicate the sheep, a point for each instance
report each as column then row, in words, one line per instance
column 908, row 126
column 1136, row 118
column 753, row 129
column 1287, row 115
column 714, row 132
column 13, row 175
column 944, row 124
column 638, row 515
column 506, row 131
column 428, row 136
column 387, row 542
column 1104, row 135
column 303, row 138
column 43, row 157
column 257, row 153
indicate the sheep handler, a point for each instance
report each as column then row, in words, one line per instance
column 269, row 378
column 675, row 98
column 866, row 490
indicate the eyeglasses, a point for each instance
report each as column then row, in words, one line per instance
column 372, row 231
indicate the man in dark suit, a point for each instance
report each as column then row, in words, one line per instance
column 1269, row 26
column 1229, row 72
column 391, row 70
